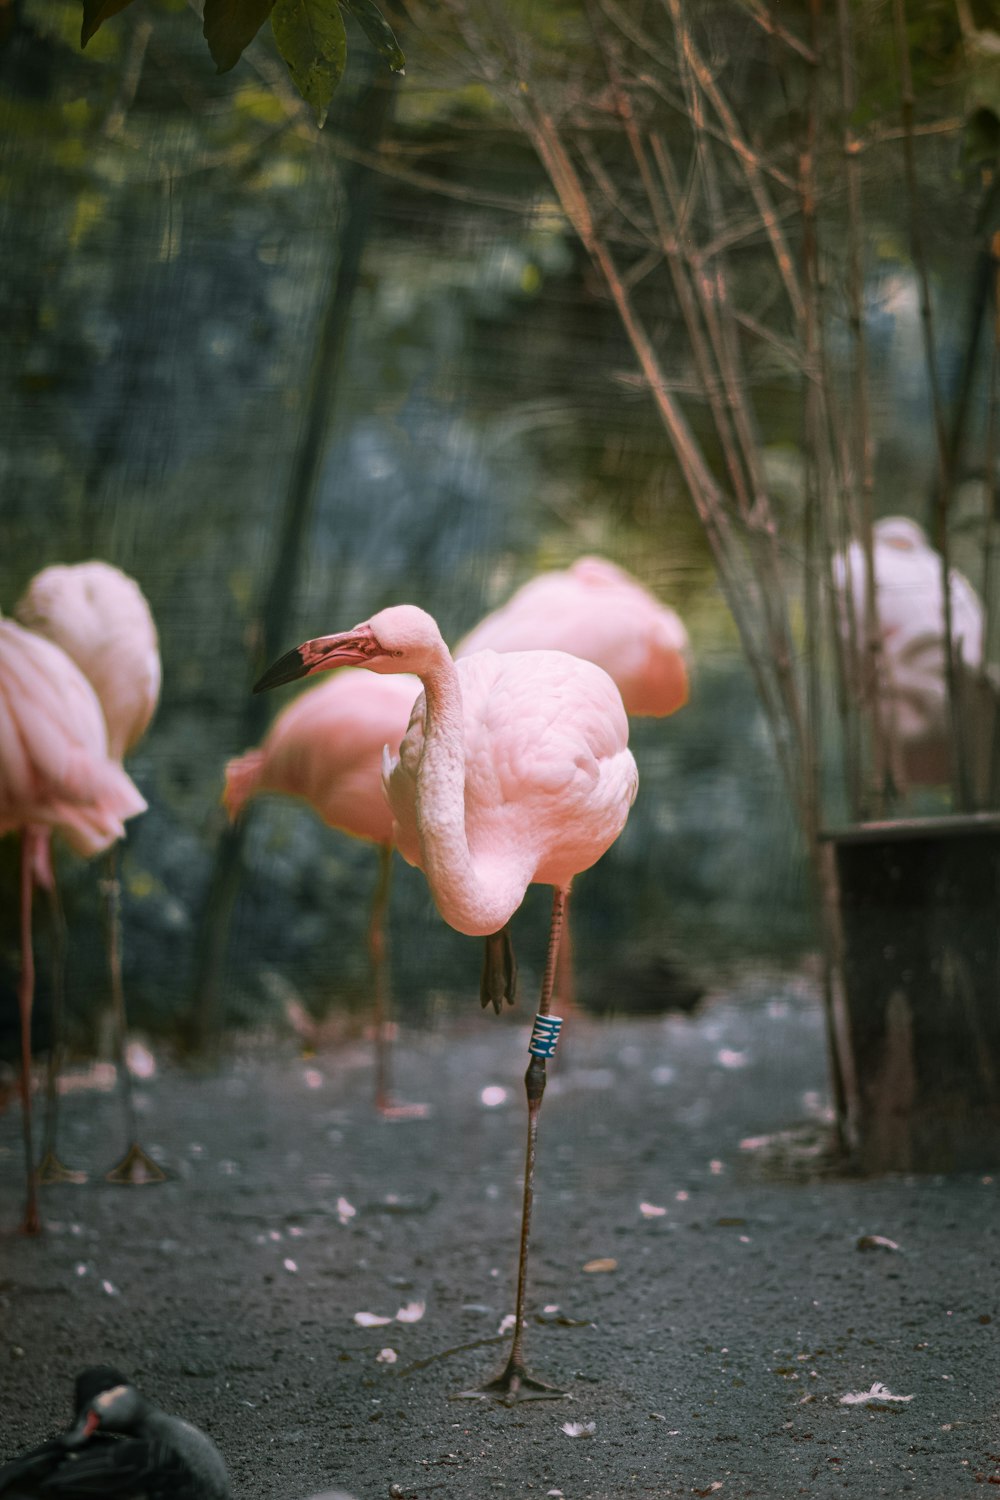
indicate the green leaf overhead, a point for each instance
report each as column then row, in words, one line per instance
column 231, row 25
column 311, row 38
column 378, row 31
column 95, row 13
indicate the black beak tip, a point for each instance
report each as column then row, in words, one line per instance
column 286, row 669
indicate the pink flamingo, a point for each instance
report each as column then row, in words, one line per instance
column 99, row 616
column 909, row 603
column 598, row 611
column 326, row 748
column 514, row 769
column 55, row 774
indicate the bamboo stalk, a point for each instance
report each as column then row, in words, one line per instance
column 705, row 492
column 747, row 159
column 682, row 275
column 774, row 28
column 989, row 687
column 867, row 669
column 721, row 329
column 812, row 443
column 960, row 783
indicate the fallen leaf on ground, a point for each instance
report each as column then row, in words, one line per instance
column 603, row 1263
column 876, row 1242
column 345, row 1210
column 579, row 1429
column 411, row 1313
column 370, row 1320
column 386, row 1357
column 651, row 1210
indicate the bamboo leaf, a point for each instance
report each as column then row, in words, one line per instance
column 311, row 38
column 378, row 31
column 230, row 26
column 95, row 13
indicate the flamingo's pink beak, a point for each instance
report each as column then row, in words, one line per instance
column 352, row 648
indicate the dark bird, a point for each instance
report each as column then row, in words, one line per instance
column 120, row 1447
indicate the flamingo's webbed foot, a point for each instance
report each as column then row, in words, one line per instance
column 136, row 1169
column 498, row 981
column 51, row 1170
column 514, row 1384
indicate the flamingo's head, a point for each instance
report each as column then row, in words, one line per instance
column 400, row 639
column 901, row 533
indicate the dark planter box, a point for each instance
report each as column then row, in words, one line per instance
column 919, row 1026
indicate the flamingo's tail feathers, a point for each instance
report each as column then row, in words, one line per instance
column 242, row 781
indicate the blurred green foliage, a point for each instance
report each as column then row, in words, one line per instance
column 168, row 240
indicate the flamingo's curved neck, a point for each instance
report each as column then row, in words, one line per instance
column 465, row 897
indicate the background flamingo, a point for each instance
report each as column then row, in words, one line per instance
column 100, row 618
column 595, row 610
column 326, row 748
column 55, row 773
column 515, row 769
column 910, row 607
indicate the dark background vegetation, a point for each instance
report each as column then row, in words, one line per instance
column 170, row 240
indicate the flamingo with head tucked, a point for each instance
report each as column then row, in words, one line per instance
column 598, row 611
column 909, row 605
column 326, row 748
column 514, row 769
column 55, row 775
column 99, row 616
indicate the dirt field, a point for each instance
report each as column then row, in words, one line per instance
column 711, row 1355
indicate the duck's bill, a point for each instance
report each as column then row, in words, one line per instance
column 85, row 1427
column 352, row 648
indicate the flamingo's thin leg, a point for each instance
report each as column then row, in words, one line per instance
column 514, row 1383
column 25, row 1000
column 50, row 1168
column 136, row 1167
column 381, row 999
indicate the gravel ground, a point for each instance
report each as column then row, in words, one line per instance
column 710, row 1355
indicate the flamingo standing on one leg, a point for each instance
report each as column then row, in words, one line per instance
column 100, row 618
column 55, row 773
column 514, row 769
column 598, row 611
column 326, row 748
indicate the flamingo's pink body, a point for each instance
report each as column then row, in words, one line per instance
column 909, row 602
column 326, row 747
column 100, row 618
column 514, row 768
column 55, row 769
column 545, row 788
column 55, row 775
column 597, row 611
